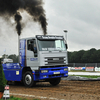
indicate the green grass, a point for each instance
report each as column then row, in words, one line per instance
column 79, row 71
column 87, row 76
column 14, row 98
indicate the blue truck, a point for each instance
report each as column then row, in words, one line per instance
column 41, row 58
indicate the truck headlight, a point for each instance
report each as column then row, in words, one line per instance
column 66, row 69
column 44, row 71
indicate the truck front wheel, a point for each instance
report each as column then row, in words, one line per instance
column 55, row 81
column 28, row 79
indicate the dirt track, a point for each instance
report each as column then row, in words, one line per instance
column 66, row 90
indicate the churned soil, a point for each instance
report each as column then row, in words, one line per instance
column 66, row 90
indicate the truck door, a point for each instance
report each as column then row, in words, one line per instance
column 31, row 54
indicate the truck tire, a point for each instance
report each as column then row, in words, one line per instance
column 55, row 81
column 28, row 79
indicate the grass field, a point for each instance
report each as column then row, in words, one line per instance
column 87, row 76
column 14, row 98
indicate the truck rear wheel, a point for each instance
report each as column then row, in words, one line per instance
column 55, row 81
column 28, row 79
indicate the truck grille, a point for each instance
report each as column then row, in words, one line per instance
column 54, row 60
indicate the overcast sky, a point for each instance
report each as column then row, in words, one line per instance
column 81, row 18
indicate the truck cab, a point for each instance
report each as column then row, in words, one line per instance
column 43, row 51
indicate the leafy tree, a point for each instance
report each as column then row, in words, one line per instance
column 92, row 53
column 97, row 56
column 85, row 57
column 79, row 56
column 73, row 57
column 14, row 57
column 69, row 57
column 4, row 56
column 2, row 78
column 82, row 56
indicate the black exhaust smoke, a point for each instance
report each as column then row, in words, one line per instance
column 11, row 8
column 18, row 19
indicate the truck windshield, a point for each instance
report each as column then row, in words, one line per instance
column 51, row 45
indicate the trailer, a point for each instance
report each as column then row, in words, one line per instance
column 41, row 58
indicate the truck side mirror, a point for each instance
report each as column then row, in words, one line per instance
column 66, row 46
column 35, row 50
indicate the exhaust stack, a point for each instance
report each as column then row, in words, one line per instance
column 12, row 8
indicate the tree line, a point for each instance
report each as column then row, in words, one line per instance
column 12, row 56
column 84, row 56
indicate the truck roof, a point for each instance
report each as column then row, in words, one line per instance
column 46, row 37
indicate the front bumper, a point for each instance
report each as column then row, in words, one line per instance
column 53, row 72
